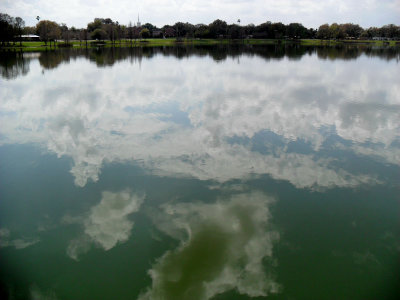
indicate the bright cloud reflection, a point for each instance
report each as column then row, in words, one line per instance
column 224, row 246
column 178, row 118
column 107, row 224
column 18, row 243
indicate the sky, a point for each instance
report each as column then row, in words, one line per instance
column 311, row 13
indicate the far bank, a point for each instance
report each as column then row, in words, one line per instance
column 33, row 46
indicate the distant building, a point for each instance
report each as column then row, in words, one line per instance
column 29, row 37
column 157, row 33
column 169, row 32
column 138, row 24
column 380, row 38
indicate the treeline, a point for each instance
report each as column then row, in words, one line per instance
column 107, row 29
column 354, row 31
column 10, row 27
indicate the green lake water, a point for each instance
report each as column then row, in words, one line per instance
column 232, row 172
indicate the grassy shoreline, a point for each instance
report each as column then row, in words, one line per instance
column 40, row 46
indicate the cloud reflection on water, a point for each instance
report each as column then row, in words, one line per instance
column 119, row 114
column 18, row 243
column 107, row 224
column 223, row 246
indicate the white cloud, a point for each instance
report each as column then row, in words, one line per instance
column 107, row 223
column 311, row 13
column 223, row 246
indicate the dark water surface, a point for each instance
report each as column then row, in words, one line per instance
column 200, row 173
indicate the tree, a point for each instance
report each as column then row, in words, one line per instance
column 84, row 34
column 29, row 30
column 92, row 26
column 202, row 31
column 323, row 31
column 74, row 33
column 19, row 24
column 351, row 30
column 65, row 34
column 111, row 30
column 296, row 30
column 371, row 32
column 54, row 32
column 48, row 31
column 6, row 28
column 118, row 31
column 279, row 30
column 180, row 29
column 218, row 28
column 99, row 34
column 136, row 32
column 270, row 30
column 249, row 29
column 145, row 33
column 312, row 33
column 150, row 27
column 264, row 30
column 168, row 31
column 108, row 21
column 190, row 29
column 122, row 32
column 390, row 31
column 130, row 31
column 234, row 31
column 334, row 31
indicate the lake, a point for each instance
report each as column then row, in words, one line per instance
column 227, row 172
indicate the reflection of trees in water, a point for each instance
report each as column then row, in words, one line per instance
column 387, row 53
column 109, row 56
column 348, row 52
column 13, row 65
column 51, row 59
column 338, row 52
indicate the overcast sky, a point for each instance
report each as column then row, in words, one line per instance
column 311, row 13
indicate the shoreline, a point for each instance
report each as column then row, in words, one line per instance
column 40, row 46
